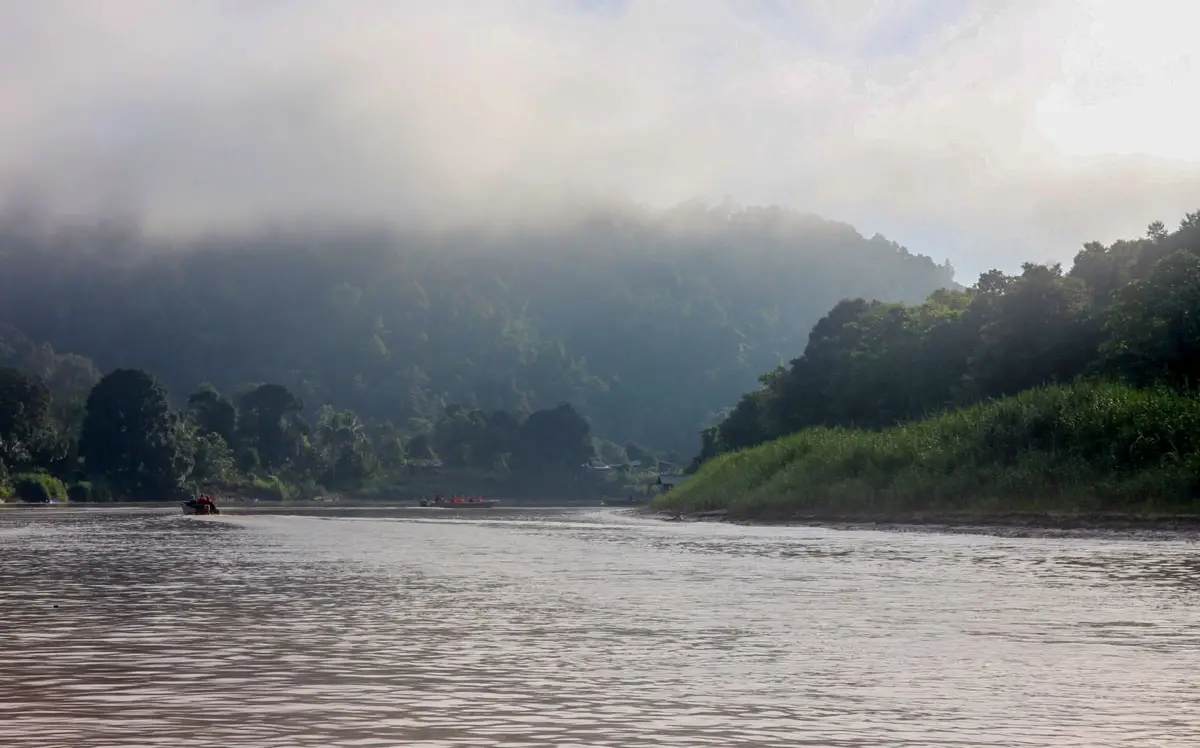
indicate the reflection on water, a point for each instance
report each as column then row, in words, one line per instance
column 582, row 628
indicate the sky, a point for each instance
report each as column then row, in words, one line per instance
column 988, row 133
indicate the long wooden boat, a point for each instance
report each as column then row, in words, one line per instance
column 480, row 504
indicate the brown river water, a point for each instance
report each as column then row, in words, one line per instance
column 575, row 627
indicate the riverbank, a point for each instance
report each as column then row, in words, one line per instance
column 1015, row 525
column 1084, row 456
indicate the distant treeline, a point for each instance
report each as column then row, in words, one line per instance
column 124, row 441
column 649, row 323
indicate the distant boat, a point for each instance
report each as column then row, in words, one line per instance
column 199, row 507
column 462, row 504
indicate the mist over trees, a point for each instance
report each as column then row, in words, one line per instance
column 1125, row 312
column 649, row 323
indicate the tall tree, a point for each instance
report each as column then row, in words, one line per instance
column 130, row 437
column 556, row 440
column 25, row 426
column 1155, row 325
column 1037, row 330
column 269, row 415
column 213, row 413
column 212, row 458
column 389, row 446
column 338, row 430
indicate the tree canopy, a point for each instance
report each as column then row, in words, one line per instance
column 25, row 423
column 130, row 438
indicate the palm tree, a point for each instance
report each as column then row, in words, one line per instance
column 338, row 430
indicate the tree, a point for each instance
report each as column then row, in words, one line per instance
column 389, row 446
column 212, row 457
column 130, row 437
column 269, row 415
column 338, row 430
column 473, row 438
column 1154, row 325
column 25, row 425
column 213, row 413
column 419, row 448
column 557, row 440
column 344, row 447
column 352, row 467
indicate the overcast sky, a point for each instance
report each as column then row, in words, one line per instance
column 988, row 132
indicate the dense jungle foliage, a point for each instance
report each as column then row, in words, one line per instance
column 1118, row 334
column 126, row 442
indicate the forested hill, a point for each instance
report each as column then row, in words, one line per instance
column 650, row 322
column 1126, row 312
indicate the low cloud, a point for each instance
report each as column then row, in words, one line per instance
column 993, row 132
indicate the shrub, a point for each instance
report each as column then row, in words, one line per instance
column 38, row 488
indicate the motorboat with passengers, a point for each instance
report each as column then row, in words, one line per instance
column 200, row 505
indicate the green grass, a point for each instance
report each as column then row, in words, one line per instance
column 1083, row 448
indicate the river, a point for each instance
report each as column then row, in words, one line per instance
column 571, row 627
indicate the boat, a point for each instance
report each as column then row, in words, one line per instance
column 201, row 505
column 442, row 503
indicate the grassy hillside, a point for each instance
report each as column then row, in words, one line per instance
column 1089, row 447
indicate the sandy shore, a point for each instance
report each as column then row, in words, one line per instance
column 1015, row 525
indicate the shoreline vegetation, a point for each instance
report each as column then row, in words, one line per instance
column 1050, row 399
column 124, row 441
column 1087, row 455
